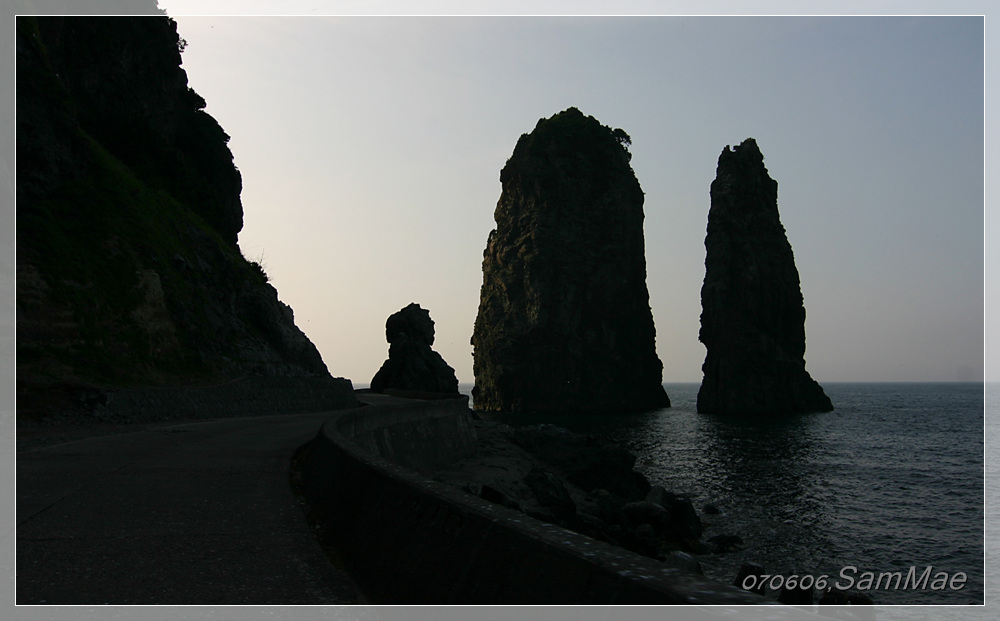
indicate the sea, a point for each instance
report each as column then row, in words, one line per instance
column 890, row 482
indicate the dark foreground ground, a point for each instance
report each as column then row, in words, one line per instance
column 178, row 513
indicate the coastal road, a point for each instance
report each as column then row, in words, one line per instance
column 195, row 513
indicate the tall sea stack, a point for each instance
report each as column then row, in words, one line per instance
column 564, row 321
column 753, row 318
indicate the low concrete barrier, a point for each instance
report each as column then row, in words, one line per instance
column 249, row 396
column 407, row 539
column 421, row 435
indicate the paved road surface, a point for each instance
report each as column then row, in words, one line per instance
column 198, row 513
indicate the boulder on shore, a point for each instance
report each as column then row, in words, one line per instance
column 583, row 483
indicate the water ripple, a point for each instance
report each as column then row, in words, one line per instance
column 892, row 478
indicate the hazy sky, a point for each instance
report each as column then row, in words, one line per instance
column 371, row 147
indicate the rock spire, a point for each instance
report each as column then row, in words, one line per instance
column 753, row 318
column 564, row 322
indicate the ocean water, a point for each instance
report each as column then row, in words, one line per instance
column 893, row 478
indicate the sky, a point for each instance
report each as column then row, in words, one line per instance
column 371, row 146
column 370, row 149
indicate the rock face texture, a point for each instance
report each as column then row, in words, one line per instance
column 753, row 318
column 412, row 364
column 564, row 321
column 128, row 211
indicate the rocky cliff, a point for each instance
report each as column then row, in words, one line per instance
column 564, row 321
column 753, row 318
column 128, row 210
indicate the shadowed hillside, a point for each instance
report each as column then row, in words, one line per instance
column 128, row 211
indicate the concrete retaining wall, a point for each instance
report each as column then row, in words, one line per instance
column 250, row 396
column 417, row 434
column 409, row 540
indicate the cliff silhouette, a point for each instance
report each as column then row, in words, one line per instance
column 128, row 211
column 753, row 317
column 564, row 320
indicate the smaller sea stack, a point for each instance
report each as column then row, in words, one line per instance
column 412, row 364
column 753, row 317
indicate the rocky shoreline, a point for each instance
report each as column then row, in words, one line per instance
column 588, row 484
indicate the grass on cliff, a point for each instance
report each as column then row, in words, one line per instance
column 90, row 241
